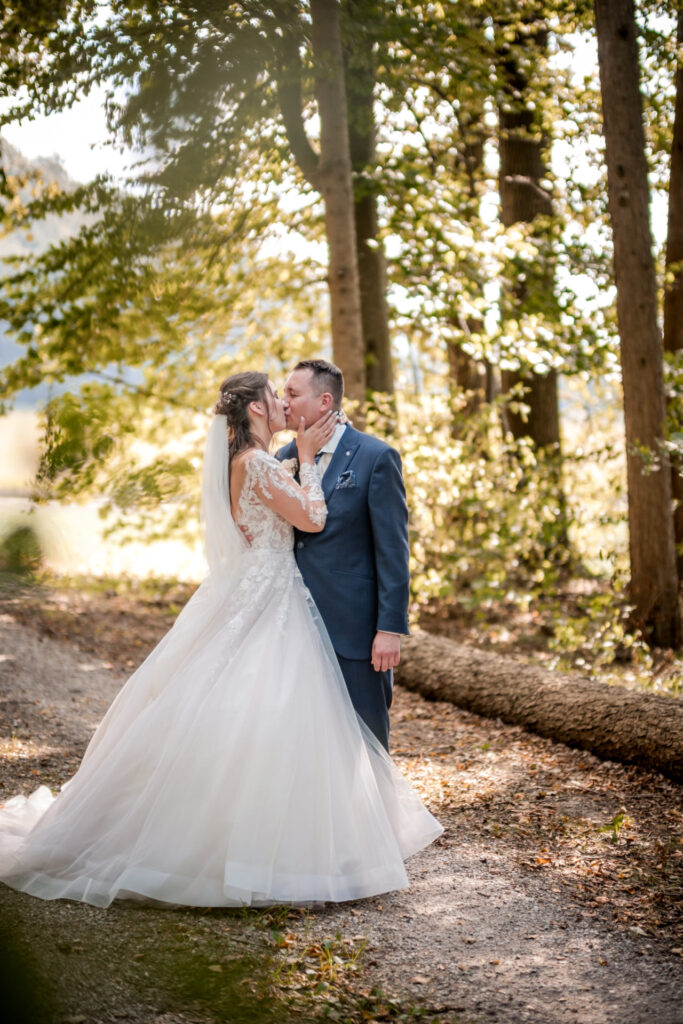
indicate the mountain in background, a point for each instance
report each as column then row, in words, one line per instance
column 51, row 229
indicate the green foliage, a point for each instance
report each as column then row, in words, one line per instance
column 159, row 273
column 182, row 275
column 486, row 530
column 132, row 438
column 673, row 370
column 593, row 635
column 196, row 93
column 20, row 550
column 485, row 515
column 438, row 182
column 620, row 821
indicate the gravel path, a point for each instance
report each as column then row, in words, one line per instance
column 479, row 936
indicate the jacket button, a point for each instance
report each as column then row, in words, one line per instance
column 299, row 543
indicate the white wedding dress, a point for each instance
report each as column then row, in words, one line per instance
column 231, row 769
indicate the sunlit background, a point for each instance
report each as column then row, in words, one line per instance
column 74, row 535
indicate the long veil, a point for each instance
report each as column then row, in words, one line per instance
column 223, row 541
column 224, row 544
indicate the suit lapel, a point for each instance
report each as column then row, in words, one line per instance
column 343, row 456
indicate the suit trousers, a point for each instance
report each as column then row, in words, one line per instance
column 371, row 693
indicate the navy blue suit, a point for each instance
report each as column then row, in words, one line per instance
column 357, row 568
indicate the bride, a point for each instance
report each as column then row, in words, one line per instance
column 231, row 769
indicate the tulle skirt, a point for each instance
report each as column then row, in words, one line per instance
column 231, row 770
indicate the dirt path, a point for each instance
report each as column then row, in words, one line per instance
column 551, row 897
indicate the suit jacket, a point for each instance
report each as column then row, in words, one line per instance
column 357, row 568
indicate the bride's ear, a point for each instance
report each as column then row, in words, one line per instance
column 257, row 408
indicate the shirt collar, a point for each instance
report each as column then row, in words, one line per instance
column 331, row 445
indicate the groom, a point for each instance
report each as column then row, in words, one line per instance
column 357, row 568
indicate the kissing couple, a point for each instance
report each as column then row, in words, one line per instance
column 245, row 762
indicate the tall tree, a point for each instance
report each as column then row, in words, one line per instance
column 469, row 376
column 360, row 52
column 654, row 581
column 337, row 190
column 437, row 82
column 202, row 90
column 521, row 146
column 329, row 171
column 673, row 287
column 529, row 289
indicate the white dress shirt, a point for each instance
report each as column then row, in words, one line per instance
column 329, row 448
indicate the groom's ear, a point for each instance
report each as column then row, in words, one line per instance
column 326, row 401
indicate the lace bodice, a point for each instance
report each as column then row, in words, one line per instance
column 271, row 501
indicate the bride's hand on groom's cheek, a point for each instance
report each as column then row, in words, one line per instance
column 311, row 439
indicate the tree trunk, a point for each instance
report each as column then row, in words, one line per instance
column 374, row 311
column 543, row 426
column 654, row 581
column 330, row 173
column 614, row 723
column 522, row 198
column 543, row 421
column 466, row 374
column 468, row 377
column 673, row 293
column 337, row 191
column 360, row 75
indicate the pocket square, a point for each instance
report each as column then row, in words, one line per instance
column 347, row 479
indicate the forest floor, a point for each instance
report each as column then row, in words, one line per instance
column 554, row 894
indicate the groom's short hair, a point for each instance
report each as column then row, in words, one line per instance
column 325, row 377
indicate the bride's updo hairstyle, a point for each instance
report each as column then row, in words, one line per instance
column 234, row 398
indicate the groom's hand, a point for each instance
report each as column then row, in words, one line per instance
column 386, row 651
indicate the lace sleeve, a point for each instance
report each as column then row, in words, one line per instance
column 301, row 505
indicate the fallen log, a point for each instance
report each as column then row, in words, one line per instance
column 615, row 723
